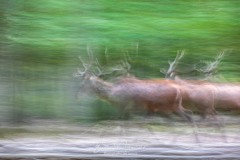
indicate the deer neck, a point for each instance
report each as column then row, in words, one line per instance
column 100, row 87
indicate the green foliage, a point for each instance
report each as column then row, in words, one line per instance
column 41, row 40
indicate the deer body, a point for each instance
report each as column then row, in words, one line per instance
column 142, row 93
column 200, row 95
column 207, row 96
column 146, row 95
column 139, row 95
column 162, row 95
column 193, row 93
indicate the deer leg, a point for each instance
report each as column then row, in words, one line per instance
column 211, row 116
column 187, row 115
column 220, row 126
column 218, row 123
column 124, row 109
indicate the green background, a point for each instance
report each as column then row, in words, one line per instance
column 41, row 40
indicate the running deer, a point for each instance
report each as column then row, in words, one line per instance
column 133, row 93
column 204, row 95
column 200, row 94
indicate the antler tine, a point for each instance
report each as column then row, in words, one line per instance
column 127, row 56
column 163, row 71
column 90, row 55
column 97, row 62
column 84, row 64
column 218, row 59
column 79, row 73
column 173, row 65
column 220, row 55
column 99, row 72
column 211, row 67
column 179, row 56
column 98, row 67
column 125, row 65
column 106, row 54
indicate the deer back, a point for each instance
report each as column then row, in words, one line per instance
column 148, row 94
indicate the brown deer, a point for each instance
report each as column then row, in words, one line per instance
column 133, row 93
column 198, row 93
column 206, row 96
column 202, row 94
column 209, row 97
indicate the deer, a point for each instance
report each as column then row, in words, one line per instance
column 206, row 95
column 131, row 93
column 198, row 93
column 210, row 97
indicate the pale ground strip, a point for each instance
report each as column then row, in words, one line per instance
column 123, row 139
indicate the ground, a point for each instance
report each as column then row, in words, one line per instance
column 144, row 138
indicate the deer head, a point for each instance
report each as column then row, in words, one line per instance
column 92, row 75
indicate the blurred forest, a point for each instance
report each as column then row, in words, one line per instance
column 41, row 40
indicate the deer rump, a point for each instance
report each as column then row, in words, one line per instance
column 207, row 97
column 149, row 96
column 227, row 96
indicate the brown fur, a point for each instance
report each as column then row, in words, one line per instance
column 206, row 96
column 150, row 95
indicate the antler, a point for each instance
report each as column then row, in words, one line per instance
column 125, row 64
column 85, row 65
column 123, row 68
column 205, row 68
column 211, row 67
column 170, row 73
